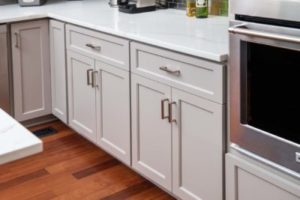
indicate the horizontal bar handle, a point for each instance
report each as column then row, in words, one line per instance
column 243, row 30
column 97, row 48
column 166, row 69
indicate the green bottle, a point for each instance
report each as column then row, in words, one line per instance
column 201, row 8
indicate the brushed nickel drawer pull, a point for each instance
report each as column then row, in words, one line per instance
column 94, row 79
column 163, row 109
column 88, row 74
column 171, row 120
column 97, row 48
column 166, row 69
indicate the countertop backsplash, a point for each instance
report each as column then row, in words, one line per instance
column 217, row 7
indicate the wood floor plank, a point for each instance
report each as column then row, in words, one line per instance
column 72, row 168
column 106, row 164
column 130, row 191
column 23, row 179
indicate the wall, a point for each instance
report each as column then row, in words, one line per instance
column 217, row 7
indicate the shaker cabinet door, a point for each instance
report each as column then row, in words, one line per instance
column 151, row 135
column 197, row 147
column 247, row 180
column 114, row 111
column 31, row 69
column 82, row 95
column 58, row 70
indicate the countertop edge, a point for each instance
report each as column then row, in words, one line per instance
column 220, row 58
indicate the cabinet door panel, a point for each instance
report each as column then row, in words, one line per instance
column 151, row 135
column 114, row 111
column 82, row 97
column 247, row 180
column 197, row 147
column 58, row 70
column 31, row 69
column 4, row 71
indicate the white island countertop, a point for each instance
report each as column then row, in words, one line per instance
column 16, row 141
column 170, row 29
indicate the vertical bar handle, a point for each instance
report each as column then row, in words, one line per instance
column 171, row 120
column 163, row 109
column 17, row 40
column 88, row 74
column 94, row 79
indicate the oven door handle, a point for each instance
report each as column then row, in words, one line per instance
column 242, row 29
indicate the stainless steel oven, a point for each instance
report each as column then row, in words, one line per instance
column 265, row 81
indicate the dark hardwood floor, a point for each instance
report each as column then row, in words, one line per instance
column 72, row 168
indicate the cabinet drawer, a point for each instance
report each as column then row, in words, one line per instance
column 107, row 48
column 188, row 73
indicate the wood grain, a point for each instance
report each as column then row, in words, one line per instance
column 73, row 168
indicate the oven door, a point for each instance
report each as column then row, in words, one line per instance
column 264, row 93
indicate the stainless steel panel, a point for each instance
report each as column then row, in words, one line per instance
column 264, row 144
column 276, row 9
column 4, row 71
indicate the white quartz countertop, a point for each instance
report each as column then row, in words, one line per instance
column 16, row 141
column 170, row 29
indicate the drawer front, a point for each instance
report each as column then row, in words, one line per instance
column 191, row 74
column 107, row 48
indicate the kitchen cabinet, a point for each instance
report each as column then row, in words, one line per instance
column 177, row 124
column 82, row 95
column 99, row 90
column 5, row 102
column 197, row 147
column 113, row 99
column 247, row 180
column 31, row 69
column 58, row 70
column 172, row 129
column 151, row 131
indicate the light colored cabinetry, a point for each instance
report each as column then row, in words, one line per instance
column 4, row 71
column 82, row 95
column 31, row 69
column 58, row 69
column 151, row 132
column 247, row 181
column 98, row 89
column 113, row 111
column 197, row 147
column 177, row 136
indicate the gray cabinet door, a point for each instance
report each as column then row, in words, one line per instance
column 31, row 69
column 4, row 71
column 58, row 70
column 113, row 102
column 151, row 135
column 82, row 95
column 197, row 147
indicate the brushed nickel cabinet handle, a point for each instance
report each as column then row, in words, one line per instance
column 163, row 109
column 17, row 40
column 166, row 69
column 88, row 74
column 171, row 120
column 97, row 48
column 94, row 79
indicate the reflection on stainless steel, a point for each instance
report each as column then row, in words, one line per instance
column 275, row 9
column 262, row 120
